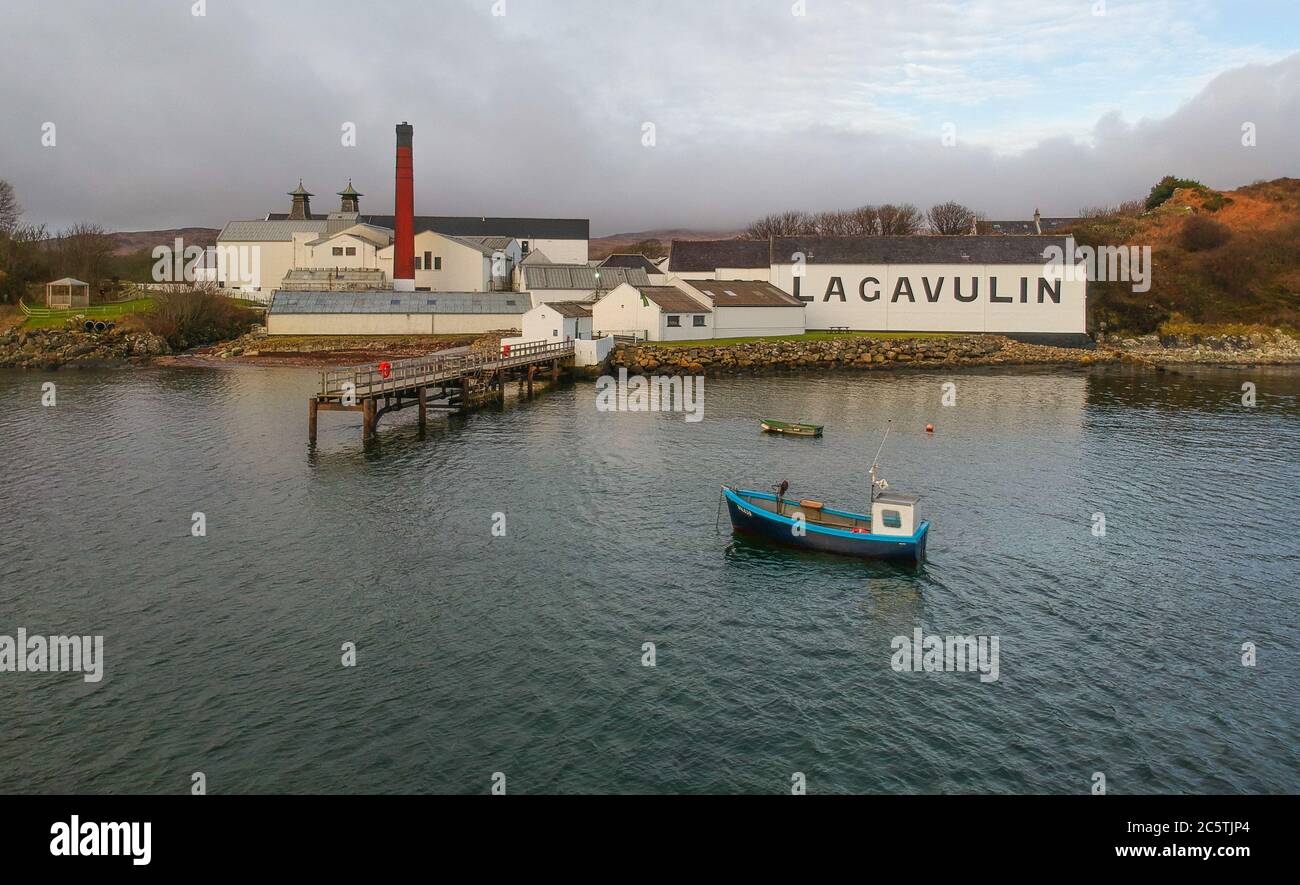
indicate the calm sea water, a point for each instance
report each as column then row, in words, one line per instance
column 523, row 654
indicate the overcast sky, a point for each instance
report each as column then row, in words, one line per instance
column 166, row 119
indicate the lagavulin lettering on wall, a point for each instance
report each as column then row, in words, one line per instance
column 1012, row 298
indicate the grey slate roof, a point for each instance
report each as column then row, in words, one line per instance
column 620, row 259
column 673, row 300
column 692, row 256
column 915, row 249
column 580, row 276
column 269, row 231
column 744, row 293
column 475, row 226
column 570, row 309
column 495, row 244
column 407, row 302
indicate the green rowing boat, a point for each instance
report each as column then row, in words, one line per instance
column 790, row 428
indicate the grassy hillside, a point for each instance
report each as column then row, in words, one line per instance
column 1220, row 258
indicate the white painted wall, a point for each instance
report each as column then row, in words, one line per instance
column 559, row 251
column 875, row 298
column 262, row 268
column 464, row 268
column 754, row 322
column 592, row 353
column 390, row 324
column 622, row 311
column 323, row 256
column 760, row 274
column 543, row 296
column 545, row 323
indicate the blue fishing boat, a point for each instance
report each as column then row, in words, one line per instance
column 891, row 530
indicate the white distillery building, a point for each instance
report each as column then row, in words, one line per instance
column 995, row 284
column 720, row 260
column 394, row 313
column 562, row 321
column 748, row 309
column 653, row 313
column 453, row 254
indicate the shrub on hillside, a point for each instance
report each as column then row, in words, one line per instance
column 1200, row 234
column 188, row 319
column 1165, row 188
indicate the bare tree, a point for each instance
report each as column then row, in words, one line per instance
column 23, row 258
column 833, row 224
column 10, row 211
column 864, row 221
column 82, row 251
column 782, row 224
column 899, row 221
column 950, row 219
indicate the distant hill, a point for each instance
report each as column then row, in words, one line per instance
column 133, row 242
column 603, row 247
column 1220, row 257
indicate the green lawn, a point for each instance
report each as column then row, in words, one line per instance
column 107, row 312
column 807, row 336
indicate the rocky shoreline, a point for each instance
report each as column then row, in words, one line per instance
column 58, row 348
column 849, row 353
column 1255, row 349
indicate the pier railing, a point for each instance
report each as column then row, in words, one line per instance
column 391, row 376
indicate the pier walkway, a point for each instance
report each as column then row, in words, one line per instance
column 441, row 382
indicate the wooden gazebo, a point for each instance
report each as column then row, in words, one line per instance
column 67, row 293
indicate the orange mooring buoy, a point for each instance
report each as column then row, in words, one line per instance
column 929, row 428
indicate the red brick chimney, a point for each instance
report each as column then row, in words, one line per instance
column 404, row 213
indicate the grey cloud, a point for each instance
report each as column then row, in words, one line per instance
column 167, row 120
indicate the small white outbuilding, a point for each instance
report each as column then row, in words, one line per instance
column 653, row 313
column 560, row 321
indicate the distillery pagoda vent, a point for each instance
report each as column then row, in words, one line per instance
column 301, row 210
column 351, row 199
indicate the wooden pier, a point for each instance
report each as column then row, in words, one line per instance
column 448, row 383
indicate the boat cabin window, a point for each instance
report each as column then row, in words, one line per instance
column 892, row 519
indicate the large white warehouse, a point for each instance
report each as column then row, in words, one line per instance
column 997, row 284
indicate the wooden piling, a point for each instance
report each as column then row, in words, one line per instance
column 313, row 406
column 424, row 404
column 369, row 419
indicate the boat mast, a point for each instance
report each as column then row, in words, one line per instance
column 875, row 461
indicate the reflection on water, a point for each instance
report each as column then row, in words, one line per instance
column 523, row 653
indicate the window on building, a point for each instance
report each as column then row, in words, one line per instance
column 428, row 259
column 352, row 250
column 674, row 322
column 395, row 302
column 338, row 250
column 893, row 519
column 418, row 266
column 699, row 322
column 437, row 263
column 555, row 333
column 524, row 247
